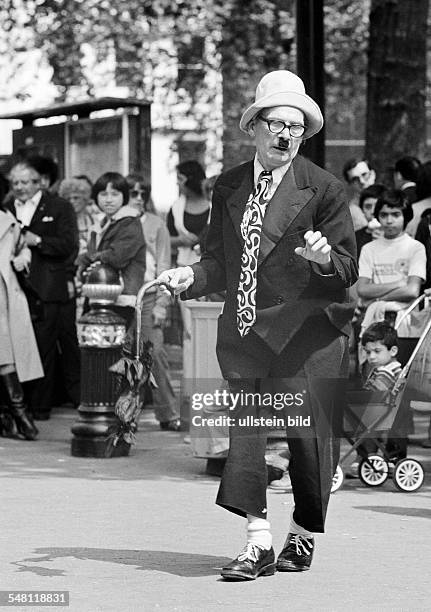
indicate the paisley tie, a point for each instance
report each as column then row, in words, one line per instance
column 251, row 229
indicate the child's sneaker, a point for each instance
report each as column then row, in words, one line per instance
column 352, row 471
column 281, row 486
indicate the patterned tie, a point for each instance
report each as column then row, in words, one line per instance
column 251, row 229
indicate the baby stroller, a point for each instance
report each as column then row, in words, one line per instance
column 369, row 416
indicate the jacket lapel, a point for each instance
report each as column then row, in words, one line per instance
column 237, row 199
column 293, row 193
column 39, row 212
column 291, row 196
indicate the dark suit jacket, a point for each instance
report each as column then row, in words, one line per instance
column 290, row 289
column 55, row 222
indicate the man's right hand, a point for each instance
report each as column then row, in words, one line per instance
column 177, row 279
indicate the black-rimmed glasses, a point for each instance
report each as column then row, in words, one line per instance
column 276, row 126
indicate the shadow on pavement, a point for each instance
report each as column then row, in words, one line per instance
column 419, row 512
column 157, row 455
column 179, row 564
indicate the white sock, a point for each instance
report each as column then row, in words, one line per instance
column 258, row 532
column 297, row 529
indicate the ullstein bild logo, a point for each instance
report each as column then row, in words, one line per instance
column 224, row 420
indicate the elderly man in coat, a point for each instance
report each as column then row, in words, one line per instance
column 19, row 356
column 281, row 243
column 49, row 230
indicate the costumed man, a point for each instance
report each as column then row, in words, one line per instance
column 281, row 244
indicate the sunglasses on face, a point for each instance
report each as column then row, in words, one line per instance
column 136, row 193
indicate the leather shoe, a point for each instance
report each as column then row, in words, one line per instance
column 274, row 473
column 297, row 555
column 174, row 425
column 251, row 563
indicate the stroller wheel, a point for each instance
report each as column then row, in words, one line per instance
column 337, row 479
column 373, row 471
column 408, row 475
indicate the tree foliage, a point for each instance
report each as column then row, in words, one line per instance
column 171, row 52
column 20, row 61
column 197, row 60
column 346, row 44
column 256, row 37
column 83, row 39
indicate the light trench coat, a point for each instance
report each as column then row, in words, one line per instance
column 16, row 330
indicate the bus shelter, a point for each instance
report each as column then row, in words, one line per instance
column 88, row 137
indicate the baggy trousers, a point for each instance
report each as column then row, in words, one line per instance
column 313, row 368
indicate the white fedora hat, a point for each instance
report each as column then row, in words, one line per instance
column 284, row 88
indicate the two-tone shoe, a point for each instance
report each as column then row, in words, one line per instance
column 252, row 562
column 297, row 555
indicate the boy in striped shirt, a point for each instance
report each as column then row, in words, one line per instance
column 380, row 343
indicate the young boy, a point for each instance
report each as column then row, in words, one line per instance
column 380, row 344
column 393, row 267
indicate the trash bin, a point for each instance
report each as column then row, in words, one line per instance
column 202, row 375
column 101, row 334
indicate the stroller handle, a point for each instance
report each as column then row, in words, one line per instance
column 412, row 306
column 138, row 309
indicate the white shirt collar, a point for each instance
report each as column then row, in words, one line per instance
column 277, row 174
column 26, row 210
column 33, row 201
column 408, row 184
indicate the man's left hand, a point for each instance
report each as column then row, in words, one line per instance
column 31, row 239
column 316, row 248
column 20, row 263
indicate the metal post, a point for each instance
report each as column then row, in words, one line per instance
column 101, row 333
column 310, row 66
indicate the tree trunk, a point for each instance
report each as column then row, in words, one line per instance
column 310, row 63
column 396, row 114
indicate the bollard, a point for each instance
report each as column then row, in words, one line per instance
column 101, row 334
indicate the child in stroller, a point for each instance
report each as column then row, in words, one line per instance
column 371, row 415
column 380, row 344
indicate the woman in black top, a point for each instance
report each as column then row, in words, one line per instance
column 188, row 218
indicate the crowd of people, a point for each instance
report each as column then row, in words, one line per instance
column 51, row 233
column 392, row 227
column 62, row 227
